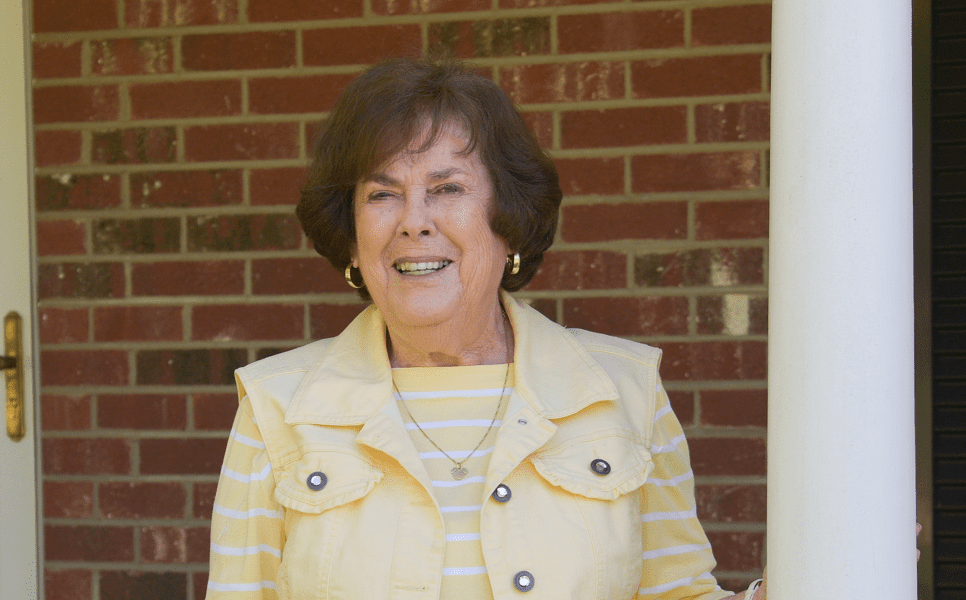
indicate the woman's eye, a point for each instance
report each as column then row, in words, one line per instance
column 380, row 195
column 448, row 188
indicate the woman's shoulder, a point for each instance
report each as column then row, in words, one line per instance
column 291, row 363
column 619, row 348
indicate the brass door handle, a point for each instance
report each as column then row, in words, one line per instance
column 12, row 363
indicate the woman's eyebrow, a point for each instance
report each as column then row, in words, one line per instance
column 443, row 174
column 382, row 179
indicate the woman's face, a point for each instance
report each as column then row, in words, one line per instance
column 423, row 238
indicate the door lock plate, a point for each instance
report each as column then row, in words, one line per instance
column 12, row 363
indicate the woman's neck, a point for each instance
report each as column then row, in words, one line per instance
column 486, row 341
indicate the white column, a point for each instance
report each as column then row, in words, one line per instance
column 841, row 449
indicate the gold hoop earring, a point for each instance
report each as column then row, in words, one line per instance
column 515, row 268
column 348, row 278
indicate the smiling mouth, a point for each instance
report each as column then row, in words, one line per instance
column 421, row 268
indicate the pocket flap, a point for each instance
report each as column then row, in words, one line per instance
column 348, row 476
column 568, row 465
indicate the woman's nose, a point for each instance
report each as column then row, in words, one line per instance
column 417, row 218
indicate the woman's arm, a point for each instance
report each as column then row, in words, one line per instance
column 247, row 531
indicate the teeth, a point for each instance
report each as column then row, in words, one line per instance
column 421, row 267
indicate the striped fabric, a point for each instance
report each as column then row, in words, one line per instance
column 454, row 406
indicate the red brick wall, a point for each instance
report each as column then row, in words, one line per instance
column 170, row 141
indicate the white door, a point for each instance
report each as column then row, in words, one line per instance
column 19, row 558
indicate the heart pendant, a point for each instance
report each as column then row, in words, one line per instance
column 458, row 473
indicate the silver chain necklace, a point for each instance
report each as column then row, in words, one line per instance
column 459, row 471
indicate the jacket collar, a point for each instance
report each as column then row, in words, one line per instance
column 352, row 380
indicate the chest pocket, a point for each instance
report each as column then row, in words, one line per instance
column 592, row 508
column 318, row 488
column 603, row 465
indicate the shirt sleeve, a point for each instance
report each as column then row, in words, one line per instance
column 247, row 527
column 677, row 555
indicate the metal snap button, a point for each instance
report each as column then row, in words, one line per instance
column 522, row 421
column 600, row 466
column 523, row 581
column 501, row 493
column 317, row 481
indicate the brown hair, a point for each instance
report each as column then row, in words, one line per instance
column 382, row 111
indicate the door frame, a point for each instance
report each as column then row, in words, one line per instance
column 22, row 569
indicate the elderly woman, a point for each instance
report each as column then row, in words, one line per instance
column 451, row 442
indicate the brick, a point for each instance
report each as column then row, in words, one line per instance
column 165, row 13
column 127, row 56
column 186, row 99
column 128, row 500
column 276, row 186
column 414, row 7
column 77, row 192
column 732, row 314
column 191, row 456
column 186, row 188
column 584, row 176
column 84, row 367
column 696, row 76
column 261, row 11
column 227, row 233
column 710, row 266
column 728, row 456
column 228, row 51
column 183, row 278
column 709, row 361
column 545, row 306
column 199, row 583
column 254, row 141
column 189, row 367
column 715, row 26
column 738, row 550
column 734, row 408
column 65, row 413
column 541, row 124
column 67, row 584
column 53, row 16
column 214, row 412
column 57, row 148
column 340, row 46
column 525, row 36
column 328, row 320
column 731, row 503
column 581, row 270
column 290, row 95
column 134, row 146
column 181, row 545
column 247, row 322
column 79, row 280
column 75, row 104
column 295, row 276
column 138, row 585
column 142, row 411
column 567, row 82
column 610, row 32
column 540, row 3
column 61, row 237
column 657, row 315
column 203, row 495
column 56, row 59
column 136, row 236
column 638, row 126
column 732, row 122
column 63, row 325
column 695, row 172
column 682, row 403
column 641, row 220
column 735, row 219
column 86, row 456
column 267, row 351
column 68, row 499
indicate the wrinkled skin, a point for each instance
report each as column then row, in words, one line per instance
column 432, row 207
